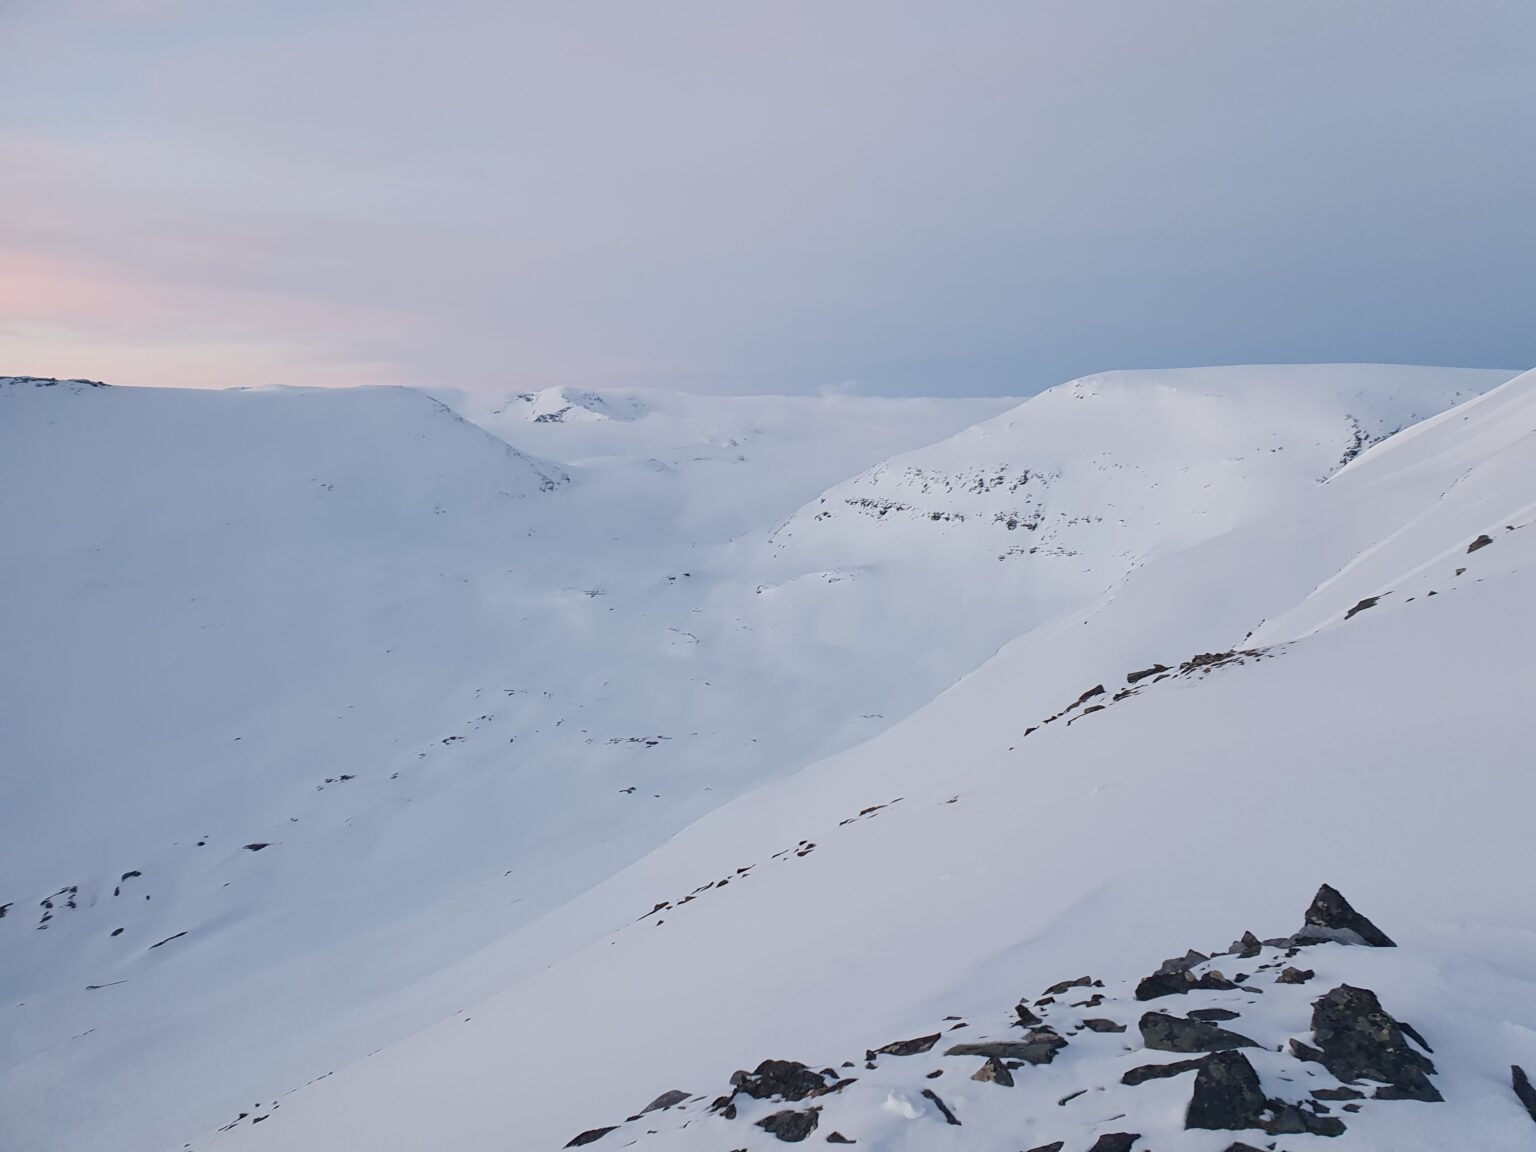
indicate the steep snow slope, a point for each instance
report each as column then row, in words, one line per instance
column 952, row 863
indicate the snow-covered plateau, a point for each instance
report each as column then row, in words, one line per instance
column 403, row 771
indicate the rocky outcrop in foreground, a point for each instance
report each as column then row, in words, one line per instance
column 1259, row 1055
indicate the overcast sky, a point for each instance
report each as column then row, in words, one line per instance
column 785, row 195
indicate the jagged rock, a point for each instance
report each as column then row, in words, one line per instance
column 1080, row 982
column 1358, row 1039
column 664, row 1101
column 994, row 1071
column 949, row 1117
column 1136, row 677
column 791, row 1126
column 1295, row 975
column 1098, row 1024
column 1481, row 542
column 1159, row 1071
column 1368, row 602
column 1330, row 917
column 1247, row 947
column 1027, row 1019
column 1165, row 1033
column 1523, row 1088
column 1227, row 1094
column 905, row 1047
column 590, row 1135
column 1115, row 1142
column 1213, row 1014
column 780, row 1079
column 1039, row 1047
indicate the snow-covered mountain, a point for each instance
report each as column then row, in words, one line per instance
column 635, row 775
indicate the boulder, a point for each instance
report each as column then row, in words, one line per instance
column 589, row 1136
column 905, row 1047
column 1039, row 1047
column 1147, row 1072
column 780, row 1080
column 1227, row 1094
column 994, row 1071
column 1115, row 1142
column 1294, row 975
column 1166, row 1033
column 1357, row 1038
column 1332, row 918
column 791, row 1126
column 664, row 1101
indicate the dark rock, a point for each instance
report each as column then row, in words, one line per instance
column 791, row 1126
column 1295, row 975
column 780, row 1080
column 1098, row 1024
column 592, row 1134
column 1070, row 1096
column 1160, row 984
column 1246, row 948
column 1359, row 1039
column 257, row 847
column 1039, row 1047
column 1368, row 602
column 1213, row 1014
column 664, row 1101
column 1135, row 677
column 1056, row 1147
column 905, row 1047
column 1227, row 1094
column 1241, row 1147
column 1289, row 1120
column 1080, row 982
column 1413, row 1034
column 1523, row 1088
column 1331, row 918
column 1115, row 1142
column 1481, row 542
column 1159, row 1071
column 1345, row 1093
column 1027, row 1019
column 1305, row 1052
column 949, row 1117
column 1165, row 1033
column 839, row 1138
column 994, row 1071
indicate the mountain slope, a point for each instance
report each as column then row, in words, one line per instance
column 952, row 864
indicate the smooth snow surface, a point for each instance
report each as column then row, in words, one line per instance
column 488, row 707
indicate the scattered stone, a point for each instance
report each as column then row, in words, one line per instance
column 1135, row 677
column 994, row 1071
column 1330, row 917
column 1027, row 1019
column 592, row 1134
column 1165, row 1033
column 1368, row 602
column 905, row 1047
column 839, row 1138
column 780, row 1080
column 1227, row 1094
column 664, row 1101
column 1360, row 1039
column 1294, row 975
column 1159, row 1071
column 1065, row 985
column 1524, row 1091
column 256, row 846
column 1115, row 1142
column 949, row 1117
column 1069, row 1097
column 1481, row 542
column 791, row 1126
column 1209, row 1014
column 1099, row 1024
column 1039, row 1047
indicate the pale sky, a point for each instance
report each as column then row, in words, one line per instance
column 784, row 195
